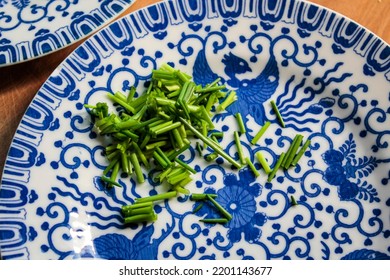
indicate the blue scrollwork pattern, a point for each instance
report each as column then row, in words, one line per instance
column 52, row 204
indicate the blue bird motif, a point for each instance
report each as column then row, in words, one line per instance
column 251, row 93
column 119, row 247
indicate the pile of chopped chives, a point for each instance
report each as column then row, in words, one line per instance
column 158, row 124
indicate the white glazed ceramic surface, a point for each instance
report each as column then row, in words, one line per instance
column 330, row 80
column 32, row 28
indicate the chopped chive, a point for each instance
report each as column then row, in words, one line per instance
column 153, row 145
column 197, row 208
column 110, row 181
column 131, row 94
column 260, row 157
column 252, row 167
column 156, row 197
column 180, row 186
column 160, row 160
column 199, row 148
column 260, row 132
column 232, row 97
column 294, row 149
column 173, row 180
column 140, row 154
column 289, row 150
column 138, row 205
column 167, row 128
column 121, row 102
column 164, row 174
column 125, row 163
column 163, row 155
column 211, row 157
column 137, row 211
column 293, row 201
column 211, row 143
column 300, row 153
column 277, row 113
column 178, row 138
column 222, row 210
column 186, row 166
column 239, row 147
column 178, row 152
column 137, row 168
column 272, row 174
column 215, row 221
column 241, row 124
column 115, row 171
column 201, row 196
column 110, row 165
column 151, row 217
column 217, row 134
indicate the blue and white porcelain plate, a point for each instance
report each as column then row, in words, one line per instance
column 330, row 79
column 32, row 28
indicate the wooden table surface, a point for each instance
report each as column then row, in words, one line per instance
column 19, row 83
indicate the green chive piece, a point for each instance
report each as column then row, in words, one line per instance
column 240, row 123
column 260, row 157
column 222, row 210
column 215, row 221
column 260, row 132
column 232, row 97
column 211, row 143
column 252, row 167
column 137, row 211
column 115, row 171
column 138, row 205
column 277, row 113
column 110, row 165
column 239, row 147
column 294, row 149
column 300, row 153
column 197, row 208
column 293, row 201
column 199, row 148
column 156, row 197
column 151, row 217
column 217, row 134
column 201, row 196
column 137, row 168
column 140, row 154
column 110, row 181
column 121, row 102
column 131, row 94
column 276, row 167
column 211, row 157
column 186, row 166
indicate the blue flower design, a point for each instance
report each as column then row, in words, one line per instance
column 343, row 167
column 238, row 198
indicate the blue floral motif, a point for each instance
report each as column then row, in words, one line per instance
column 342, row 168
column 238, row 198
column 323, row 98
